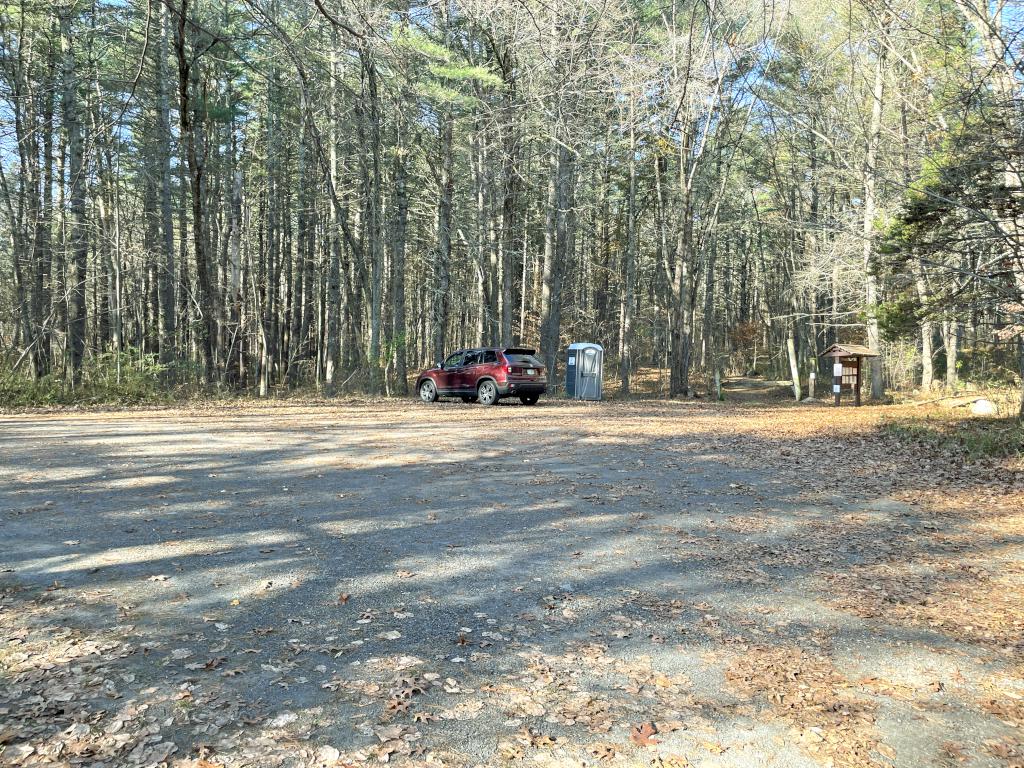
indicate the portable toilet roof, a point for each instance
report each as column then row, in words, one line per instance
column 585, row 345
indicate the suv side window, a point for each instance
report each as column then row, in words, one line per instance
column 473, row 358
column 490, row 356
column 454, row 361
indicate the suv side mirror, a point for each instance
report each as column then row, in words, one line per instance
column 440, row 364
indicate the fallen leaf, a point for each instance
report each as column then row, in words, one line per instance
column 713, row 747
column 642, row 735
column 602, row 751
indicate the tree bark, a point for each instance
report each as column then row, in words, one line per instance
column 951, row 340
column 510, row 196
column 629, row 276
column 564, row 243
column 794, row 364
column 870, row 178
column 374, row 215
column 187, row 77
column 681, row 336
column 78, row 236
column 398, row 238
column 443, row 252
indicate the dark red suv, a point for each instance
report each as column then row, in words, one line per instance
column 485, row 375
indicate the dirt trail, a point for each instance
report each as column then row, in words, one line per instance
column 605, row 584
column 750, row 391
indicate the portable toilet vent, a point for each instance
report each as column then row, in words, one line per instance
column 584, row 371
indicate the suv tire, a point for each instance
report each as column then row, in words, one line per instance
column 487, row 392
column 529, row 399
column 428, row 391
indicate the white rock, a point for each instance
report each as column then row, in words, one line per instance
column 19, row 751
column 283, row 719
column 984, row 408
column 328, row 754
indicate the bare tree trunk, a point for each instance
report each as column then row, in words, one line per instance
column 927, row 332
column 510, row 196
column 76, row 201
column 1020, row 370
column 951, row 340
column 443, row 254
column 22, row 328
column 680, row 286
column 708, row 340
column 564, row 243
column 234, row 294
column 398, row 235
column 187, row 77
column 41, row 292
column 794, row 364
column 269, row 252
column 628, row 296
column 486, row 297
column 547, row 271
column 870, row 176
column 332, row 353
column 374, row 214
column 166, row 273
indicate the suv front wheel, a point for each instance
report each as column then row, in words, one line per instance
column 487, row 392
column 428, row 391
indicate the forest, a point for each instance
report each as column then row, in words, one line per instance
column 258, row 196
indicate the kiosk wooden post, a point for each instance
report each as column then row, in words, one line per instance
column 856, row 385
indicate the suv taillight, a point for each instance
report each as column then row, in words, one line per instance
column 508, row 369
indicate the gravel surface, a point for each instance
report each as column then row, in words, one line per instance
column 646, row 584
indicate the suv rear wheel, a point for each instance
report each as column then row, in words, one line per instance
column 487, row 392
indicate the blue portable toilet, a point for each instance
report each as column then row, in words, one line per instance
column 584, row 371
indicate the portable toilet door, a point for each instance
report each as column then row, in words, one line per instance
column 584, row 371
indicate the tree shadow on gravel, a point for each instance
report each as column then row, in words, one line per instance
column 304, row 583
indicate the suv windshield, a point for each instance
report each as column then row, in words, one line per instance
column 516, row 358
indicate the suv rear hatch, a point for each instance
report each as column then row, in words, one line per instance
column 522, row 365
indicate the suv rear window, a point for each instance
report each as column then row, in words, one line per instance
column 516, row 358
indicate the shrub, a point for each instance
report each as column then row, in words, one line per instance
column 972, row 438
column 126, row 378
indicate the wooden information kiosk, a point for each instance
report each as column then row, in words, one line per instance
column 846, row 367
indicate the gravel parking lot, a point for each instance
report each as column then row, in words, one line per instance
column 663, row 584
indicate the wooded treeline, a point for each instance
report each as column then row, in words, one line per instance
column 258, row 195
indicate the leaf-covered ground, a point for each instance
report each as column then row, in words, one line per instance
column 656, row 584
